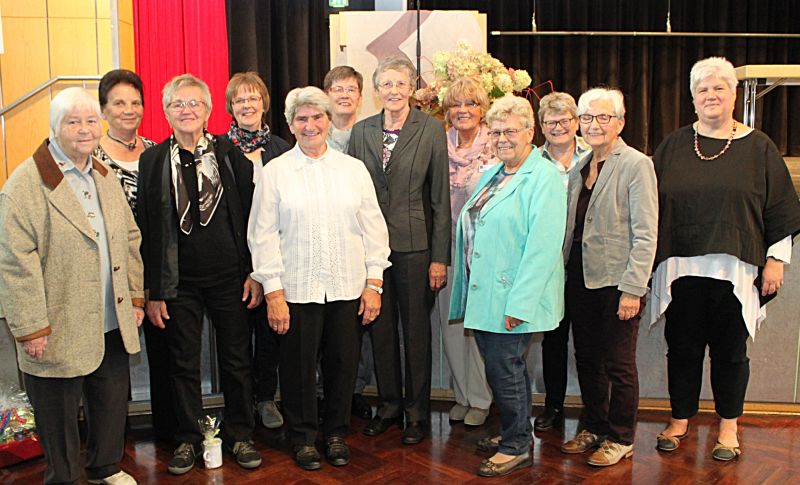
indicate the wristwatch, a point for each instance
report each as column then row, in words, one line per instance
column 376, row 289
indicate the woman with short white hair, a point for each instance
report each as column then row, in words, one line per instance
column 320, row 246
column 71, row 292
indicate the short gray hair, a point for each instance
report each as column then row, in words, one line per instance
column 308, row 96
column 182, row 81
column 612, row 95
column 557, row 102
column 712, row 66
column 67, row 100
column 508, row 106
column 395, row 63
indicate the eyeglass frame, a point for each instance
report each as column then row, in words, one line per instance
column 466, row 104
column 343, row 90
column 508, row 133
column 388, row 85
column 563, row 122
column 254, row 99
column 596, row 117
column 180, row 105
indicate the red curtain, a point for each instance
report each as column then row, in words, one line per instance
column 173, row 37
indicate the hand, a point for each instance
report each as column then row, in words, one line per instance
column 370, row 306
column 138, row 315
column 157, row 312
column 628, row 306
column 277, row 312
column 511, row 323
column 35, row 347
column 771, row 277
column 252, row 289
column 437, row 273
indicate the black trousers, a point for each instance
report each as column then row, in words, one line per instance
column 161, row 399
column 265, row 355
column 223, row 302
column 605, row 355
column 555, row 353
column 406, row 295
column 704, row 312
column 56, row 402
column 333, row 330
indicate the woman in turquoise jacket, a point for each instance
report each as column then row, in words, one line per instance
column 509, row 272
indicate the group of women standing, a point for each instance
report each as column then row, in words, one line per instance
column 535, row 245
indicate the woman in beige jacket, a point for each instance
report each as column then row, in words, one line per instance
column 71, row 291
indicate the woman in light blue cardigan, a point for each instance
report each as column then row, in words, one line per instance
column 509, row 272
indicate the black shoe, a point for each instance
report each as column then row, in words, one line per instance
column 414, row 433
column 549, row 418
column 336, row 451
column 246, row 454
column 379, row 425
column 307, row 457
column 361, row 408
column 183, row 459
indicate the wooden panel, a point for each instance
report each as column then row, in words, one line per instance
column 25, row 63
column 127, row 51
column 104, row 45
column 72, row 9
column 104, row 9
column 26, row 128
column 125, row 11
column 26, row 8
column 794, row 169
column 768, row 71
column 73, row 47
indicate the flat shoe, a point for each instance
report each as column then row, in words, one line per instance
column 670, row 443
column 725, row 453
column 490, row 469
column 488, row 444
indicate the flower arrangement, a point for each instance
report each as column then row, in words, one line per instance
column 497, row 79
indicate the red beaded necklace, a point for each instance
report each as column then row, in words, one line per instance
column 724, row 149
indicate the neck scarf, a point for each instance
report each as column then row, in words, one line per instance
column 209, row 184
column 248, row 141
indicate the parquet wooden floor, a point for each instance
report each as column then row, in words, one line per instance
column 770, row 444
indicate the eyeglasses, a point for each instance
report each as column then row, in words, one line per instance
column 249, row 99
column 564, row 122
column 466, row 104
column 388, row 85
column 508, row 132
column 342, row 89
column 602, row 118
column 180, row 105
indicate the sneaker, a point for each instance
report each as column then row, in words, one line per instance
column 610, row 453
column 458, row 412
column 246, row 454
column 476, row 416
column 270, row 416
column 583, row 441
column 182, row 460
column 119, row 478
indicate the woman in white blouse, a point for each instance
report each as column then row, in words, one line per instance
column 319, row 246
column 727, row 215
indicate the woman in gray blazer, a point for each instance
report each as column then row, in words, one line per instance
column 610, row 245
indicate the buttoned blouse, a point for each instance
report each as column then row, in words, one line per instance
column 316, row 230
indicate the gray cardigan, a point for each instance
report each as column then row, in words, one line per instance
column 621, row 227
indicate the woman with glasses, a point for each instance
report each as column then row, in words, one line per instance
column 247, row 100
column 405, row 152
column 508, row 276
column 609, row 247
column 558, row 117
column 470, row 153
column 193, row 203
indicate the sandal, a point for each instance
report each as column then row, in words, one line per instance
column 670, row 443
column 725, row 453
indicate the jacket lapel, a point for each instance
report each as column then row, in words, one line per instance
column 110, row 218
column 409, row 132
column 608, row 169
column 61, row 196
column 526, row 168
column 374, row 133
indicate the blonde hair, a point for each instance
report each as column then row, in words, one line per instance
column 508, row 106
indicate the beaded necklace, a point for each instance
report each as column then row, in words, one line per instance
column 724, row 149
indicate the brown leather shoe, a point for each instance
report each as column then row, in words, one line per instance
column 582, row 442
column 489, row 468
column 610, row 453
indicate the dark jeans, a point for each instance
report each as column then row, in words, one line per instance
column 228, row 314
column 407, row 294
column 161, row 399
column 333, row 330
column 507, row 373
column 704, row 312
column 555, row 352
column 605, row 355
column 56, row 403
column 265, row 355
